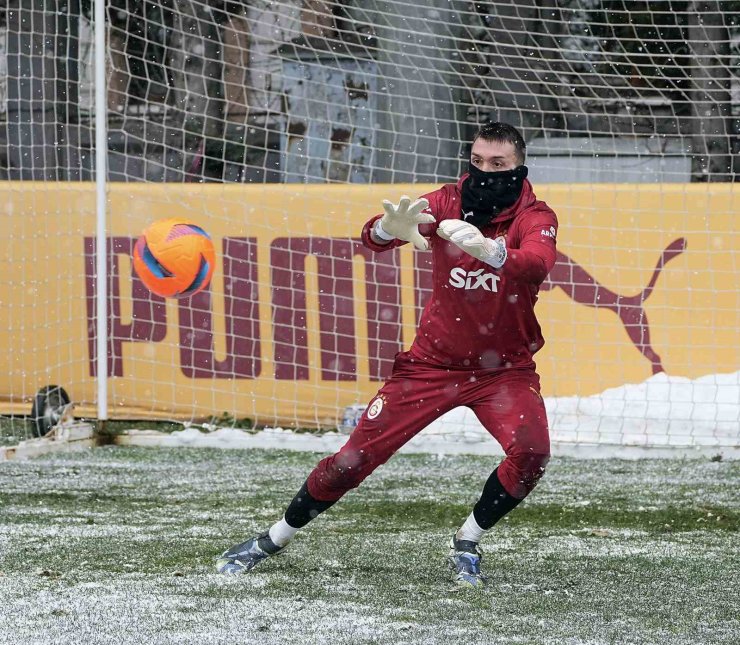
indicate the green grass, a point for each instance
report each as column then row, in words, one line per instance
column 15, row 429
column 117, row 545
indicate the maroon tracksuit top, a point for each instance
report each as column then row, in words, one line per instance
column 479, row 317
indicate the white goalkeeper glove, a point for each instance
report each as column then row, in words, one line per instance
column 402, row 221
column 473, row 242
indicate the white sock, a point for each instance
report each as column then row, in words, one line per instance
column 281, row 532
column 470, row 530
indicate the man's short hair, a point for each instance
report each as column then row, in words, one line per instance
column 503, row 133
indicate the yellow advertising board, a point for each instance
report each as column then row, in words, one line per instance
column 301, row 321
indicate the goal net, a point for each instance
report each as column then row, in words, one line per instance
column 279, row 127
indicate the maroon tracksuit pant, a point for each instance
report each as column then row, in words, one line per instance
column 507, row 403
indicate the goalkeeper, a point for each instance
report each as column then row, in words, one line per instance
column 492, row 244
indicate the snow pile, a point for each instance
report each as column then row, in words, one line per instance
column 235, row 438
column 662, row 411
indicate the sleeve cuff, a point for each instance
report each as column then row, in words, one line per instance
column 380, row 232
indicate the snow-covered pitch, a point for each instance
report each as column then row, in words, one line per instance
column 117, row 545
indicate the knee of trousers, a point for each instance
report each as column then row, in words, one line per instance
column 339, row 473
column 520, row 472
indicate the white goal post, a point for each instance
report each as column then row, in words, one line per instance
column 279, row 126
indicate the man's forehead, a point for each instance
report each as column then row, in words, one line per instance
column 485, row 148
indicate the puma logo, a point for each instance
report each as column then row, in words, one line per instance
column 584, row 289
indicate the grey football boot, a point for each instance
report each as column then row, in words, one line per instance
column 465, row 558
column 243, row 557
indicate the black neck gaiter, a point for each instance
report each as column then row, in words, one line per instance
column 486, row 194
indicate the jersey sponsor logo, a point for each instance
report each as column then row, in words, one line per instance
column 375, row 407
column 478, row 279
column 551, row 232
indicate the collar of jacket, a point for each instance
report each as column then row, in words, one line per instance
column 526, row 199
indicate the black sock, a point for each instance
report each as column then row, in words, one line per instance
column 304, row 508
column 493, row 504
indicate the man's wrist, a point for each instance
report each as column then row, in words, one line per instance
column 381, row 235
column 497, row 255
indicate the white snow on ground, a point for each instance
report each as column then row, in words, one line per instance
column 662, row 411
column 673, row 413
column 87, row 543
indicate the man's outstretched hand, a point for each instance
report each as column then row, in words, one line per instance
column 402, row 221
column 473, row 242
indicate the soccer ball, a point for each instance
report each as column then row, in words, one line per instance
column 174, row 258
